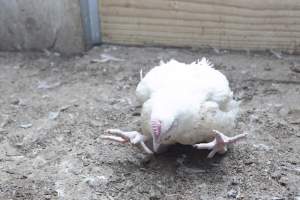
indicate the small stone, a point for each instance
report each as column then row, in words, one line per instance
column 53, row 115
column 136, row 114
column 96, row 181
column 64, row 108
column 277, row 54
column 249, row 162
column 234, row 181
column 295, row 67
column 56, row 54
column 232, row 193
column 45, row 85
column 113, row 101
column 95, row 61
column 267, row 68
column 15, row 102
column 283, row 112
column 47, row 52
column 6, row 122
column 283, row 181
column 3, row 131
column 262, row 147
column 67, row 131
column 276, row 175
column 26, row 125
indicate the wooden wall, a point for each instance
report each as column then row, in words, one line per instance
column 230, row 24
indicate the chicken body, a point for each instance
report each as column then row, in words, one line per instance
column 185, row 103
column 194, row 119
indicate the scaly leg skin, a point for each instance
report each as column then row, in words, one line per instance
column 133, row 137
column 219, row 143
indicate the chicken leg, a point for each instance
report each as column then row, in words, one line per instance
column 133, row 137
column 219, row 143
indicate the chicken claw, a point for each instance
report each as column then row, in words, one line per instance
column 133, row 137
column 219, row 143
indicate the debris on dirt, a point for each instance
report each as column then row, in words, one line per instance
column 53, row 115
column 106, row 58
column 15, row 101
column 45, row 85
column 66, row 159
column 283, row 181
column 277, row 198
column 234, row 181
column 232, row 193
column 64, row 108
column 28, row 125
column 96, row 61
column 56, row 54
column 136, row 114
column 216, row 50
column 95, row 182
column 3, row 131
column 181, row 159
column 262, row 147
column 295, row 67
column 267, row 68
column 295, row 122
column 47, row 52
column 276, row 53
column 284, row 111
column 6, row 121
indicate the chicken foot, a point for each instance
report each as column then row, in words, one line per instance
column 133, row 137
column 218, row 145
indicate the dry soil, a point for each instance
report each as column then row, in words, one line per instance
column 53, row 109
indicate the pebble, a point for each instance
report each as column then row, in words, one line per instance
column 46, row 85
column 295, row 67
column 276, row 175
column 234, row 181
column 283, row 181
column 113, row 101
column 15, row 102
column 26, row 125
column 232, row 193
column 96, row 181
column 262, row 147
column 284, row 112
column 53, row 115
column 3, row 131
column 267, row 68
column 56, row 54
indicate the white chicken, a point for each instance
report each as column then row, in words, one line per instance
column 186, row 104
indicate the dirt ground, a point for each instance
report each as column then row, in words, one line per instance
column 53, row 109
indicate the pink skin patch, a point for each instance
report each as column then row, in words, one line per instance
column 156, row 127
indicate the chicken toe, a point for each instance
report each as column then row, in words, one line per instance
column 133, row 137
column 218, row 145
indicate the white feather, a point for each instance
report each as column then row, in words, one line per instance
column 191, row 100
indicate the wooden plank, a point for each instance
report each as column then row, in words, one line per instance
column 204, row 8
column 198, row 24
column 157, row 41
column 195, row 30
column 237, row 24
